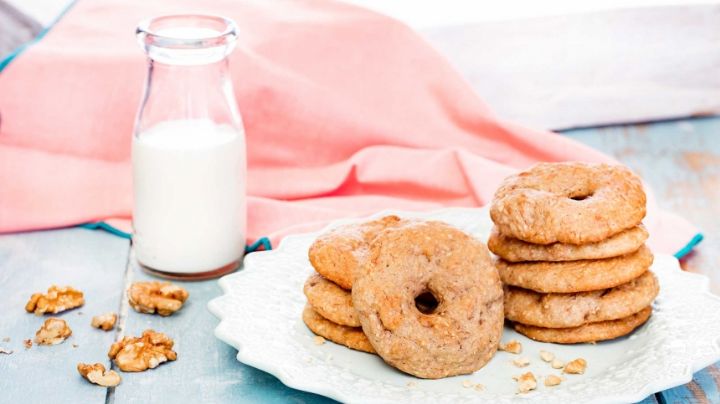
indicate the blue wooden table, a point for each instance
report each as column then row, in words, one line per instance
column 680, row 160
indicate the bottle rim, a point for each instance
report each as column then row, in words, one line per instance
column 152, row 32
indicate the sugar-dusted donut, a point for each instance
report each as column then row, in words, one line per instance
column 462, row 332
column 573, row 203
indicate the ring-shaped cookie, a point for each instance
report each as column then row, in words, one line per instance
column 565, row 310
column 336, row 254
column 515, row 250
column 575, row 276
column 462, row 333
column 573, row 203
column 351, row 337
column 591, row 332
column 330, row 301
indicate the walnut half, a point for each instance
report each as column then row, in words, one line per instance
column 133, row 354
column 54, row 331
column 105, row 322
column 161, row 297
column 97, row 374
column 56, row 299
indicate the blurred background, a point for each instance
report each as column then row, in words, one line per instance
column 552, row 64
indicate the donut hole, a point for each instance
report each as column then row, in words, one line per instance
column 426, row 302
column 581, row 197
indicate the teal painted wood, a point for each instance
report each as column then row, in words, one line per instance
column 649, row 400
column 30, row 262
column 206, row 370
column 702, row 389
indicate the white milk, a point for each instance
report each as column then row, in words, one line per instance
column 189, row 184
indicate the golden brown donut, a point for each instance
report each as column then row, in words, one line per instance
column 572, row 203
column 351, row 337
column 462, row 333
column 564, row 310
column 575, row 276
column 591, row 332
column 336, row 254
column 514, row 250
column 330, row 301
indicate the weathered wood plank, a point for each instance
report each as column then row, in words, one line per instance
column 30, row 262
column 206, row 369
column 681, row 162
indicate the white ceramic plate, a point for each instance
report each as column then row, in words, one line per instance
column 260, row 316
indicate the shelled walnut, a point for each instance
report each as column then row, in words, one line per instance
column 575, row 367
column 161, row 297
column 54, row 331
column 56, row 299
column 105, row 322
column 526, row 382
column 133, row 354
column 97, row 374
column 513, row 346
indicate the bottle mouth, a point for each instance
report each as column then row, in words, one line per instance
column 187, row 38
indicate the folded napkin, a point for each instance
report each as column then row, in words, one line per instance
column 347, row 112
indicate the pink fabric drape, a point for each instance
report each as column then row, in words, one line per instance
column 347, row 112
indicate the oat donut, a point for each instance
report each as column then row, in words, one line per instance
column 514, row 250
column 351, row 337
column 575, row 276
column 565, row 310
column 591, row 332
column 330, row 301
column 572, row 203
column 336, row 254
column 462, row 332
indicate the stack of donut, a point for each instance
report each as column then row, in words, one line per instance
column 422, row 295
column 572, row 252
column 335, row 256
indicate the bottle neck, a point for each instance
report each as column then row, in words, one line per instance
column 188, row 92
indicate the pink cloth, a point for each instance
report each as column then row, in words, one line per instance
column 347, row 112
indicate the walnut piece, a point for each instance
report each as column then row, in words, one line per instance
column 576, row 367
column 521, row 362
column 526, row 382
column 105, row 322
column 54, row 331
column 512, row 346
column 318, row 340
column 557, row 364
column 133, row 354
column 547, row 356
column 27, row 343
column 97, row 374
column 161, row 297
column 552, row 380
column 56, row 299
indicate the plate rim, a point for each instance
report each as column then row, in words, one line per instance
column 652, row 387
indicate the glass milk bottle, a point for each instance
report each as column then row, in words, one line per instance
column 188, row 151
